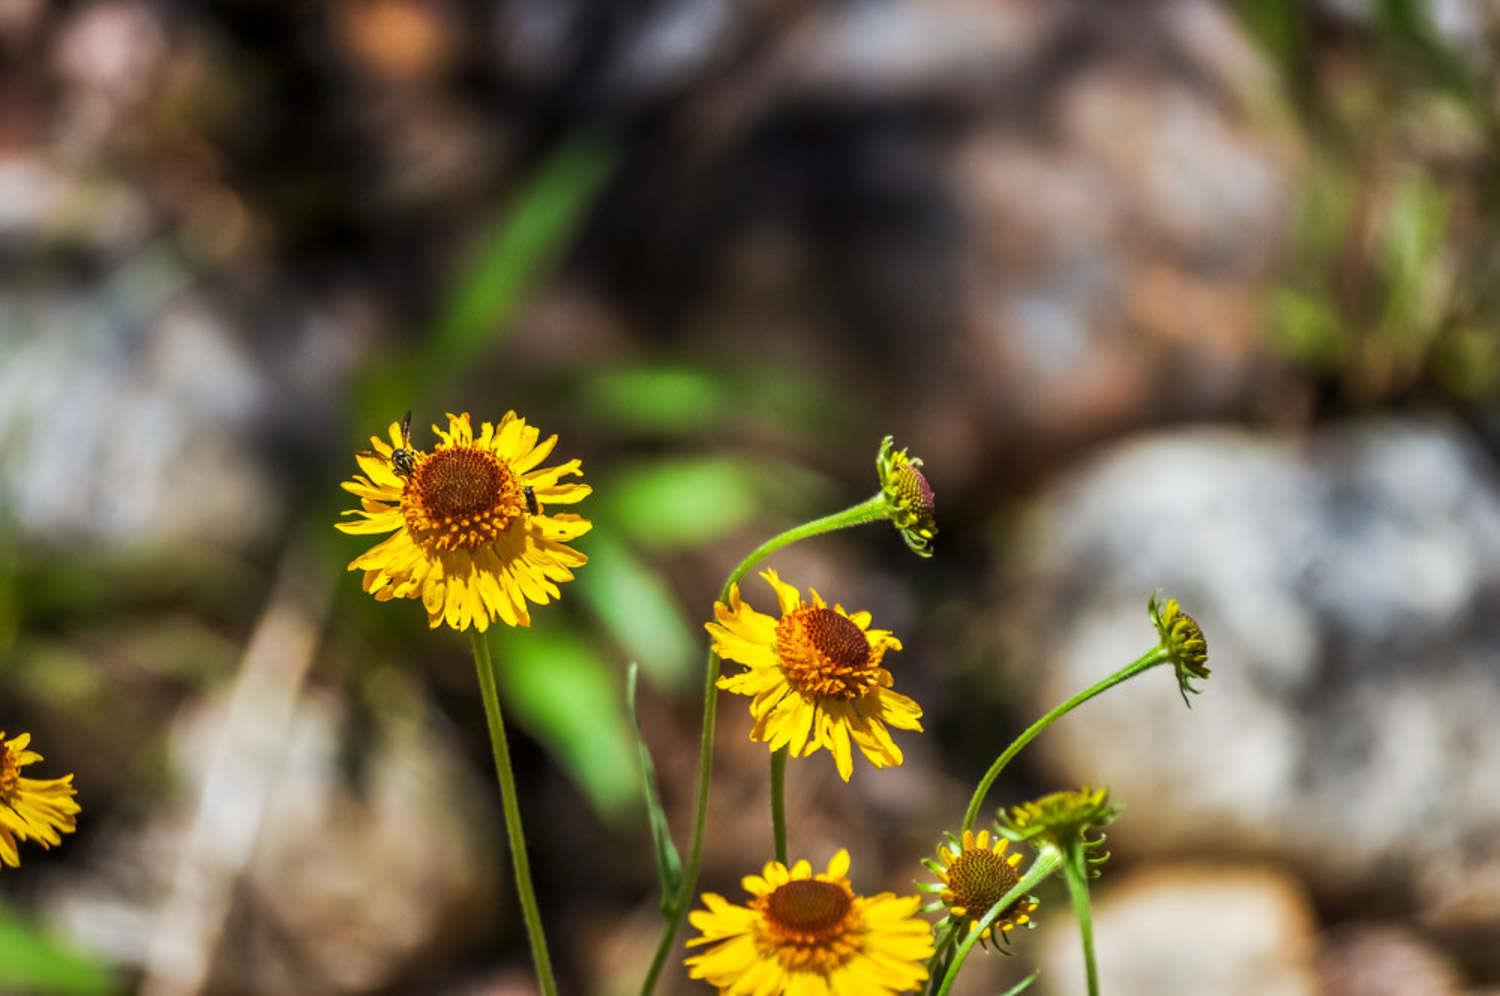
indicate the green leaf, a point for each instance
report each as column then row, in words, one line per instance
column 673, row 400
column 668, row 861
column 511, row 255
column 1413, row 234
column 565, row 696
column 31, row 960
column 679, row 502
column 1306, row 329
column 639, row 612
column 1021, row 986
column 1279, row 26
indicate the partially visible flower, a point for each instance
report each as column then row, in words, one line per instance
column 472, row 537
column 908, row 497
column 810, row 935
column 1183, row 641
column 814, row 677
column 1061, row 818
column 39, row 809
column 974, row 875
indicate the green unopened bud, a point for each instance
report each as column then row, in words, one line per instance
column 909, row 499
column 1183, row 641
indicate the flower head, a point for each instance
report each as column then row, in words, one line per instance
column 810, row 935
column 1063, row 819
column 974, row 875
column 472, row 535
column 908, row 497
column 1183, row 641
column 39, row 809
column 814, row 677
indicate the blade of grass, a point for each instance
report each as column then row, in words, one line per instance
column 668, row 861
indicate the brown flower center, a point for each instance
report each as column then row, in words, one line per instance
column 810, row 925
column 809, row 906
column 461, row 498
column 978, row 879
column 10, row 772
column 913, row 491
column 824, row 654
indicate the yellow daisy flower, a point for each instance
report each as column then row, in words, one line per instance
column 810, row 935
column 39, row 809
column 473, row 539
column 814, row 677
column 972, row 877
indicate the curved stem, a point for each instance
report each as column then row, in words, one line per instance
column 778, row 803
column 1150, row 658
column 870, row 510
column 1076, row 874
column 1047, row 862
column 513, row 829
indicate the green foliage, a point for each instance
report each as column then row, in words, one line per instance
column 1021, row 986
column 511, row 255
column 1306, row 328
column 32, row 960
column 1411, row 242
column 679, row 502
column 638, row 611
column 566, row 697
column 668, row 861
column 671, row 400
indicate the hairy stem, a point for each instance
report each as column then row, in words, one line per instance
column 1047, row 862
column 1150, row 658
column 1076, row 874
column 870, row 510
column 516, row 834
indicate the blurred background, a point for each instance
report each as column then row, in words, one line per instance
column 1178, row 294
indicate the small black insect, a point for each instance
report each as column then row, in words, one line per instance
column 531, row 505
column 403, row 458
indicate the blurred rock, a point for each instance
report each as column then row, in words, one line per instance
column 1384, row 961
column 1347, row 586
column 1124, row 241
column 356, row 883
column 125, row 412
column 1221, row 930
column 108, row 59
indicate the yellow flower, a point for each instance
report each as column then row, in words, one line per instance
column 810, row 935
column 972, row 877
column 39, row 809
column 473, row 539
column 909, row 500
column 814, row 677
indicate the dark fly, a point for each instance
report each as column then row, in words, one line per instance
column 403, row 458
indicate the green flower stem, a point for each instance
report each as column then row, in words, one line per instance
column 513, row 829
column 1076, row 874
column 1156, row 655
column 1047, row 861
column 778, row 803
column 870, row 510
column 937, row 965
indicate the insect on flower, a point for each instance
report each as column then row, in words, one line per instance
column 403, row 458
column 473, row 534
